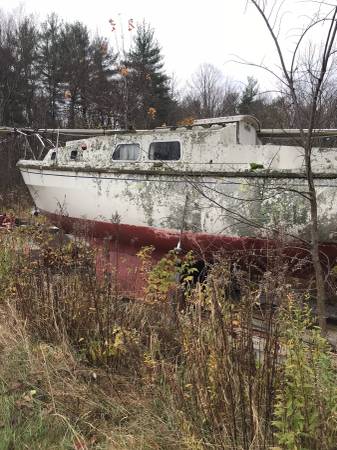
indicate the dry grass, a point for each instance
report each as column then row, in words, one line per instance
column 45, row 387
column 82, row 368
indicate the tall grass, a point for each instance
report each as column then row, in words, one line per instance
column 213, row 367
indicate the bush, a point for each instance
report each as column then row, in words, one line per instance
column 218, row 366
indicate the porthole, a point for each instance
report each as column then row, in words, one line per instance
column 73, row 155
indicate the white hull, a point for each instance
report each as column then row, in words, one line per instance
column 234, row 206
column 222, row 182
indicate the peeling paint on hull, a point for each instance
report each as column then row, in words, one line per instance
column 126, row 240
column 226, row 192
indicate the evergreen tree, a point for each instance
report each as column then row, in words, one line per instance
column 249, row 101
column 27, row 38
column 75, row 45
column 50, row 73
column 148, row 97
column 102, row 91
column 8, row 74
column 18, row 76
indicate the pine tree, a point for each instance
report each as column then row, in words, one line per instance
column 27, row 38
column 148, row 85
column 102, row 91
column 18, row 76
column 8, row 74
column 249, row 101
column 50, row 73
column 75, row 72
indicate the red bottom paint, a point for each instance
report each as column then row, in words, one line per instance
column 119, row 244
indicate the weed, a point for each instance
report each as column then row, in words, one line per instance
column 83, row 367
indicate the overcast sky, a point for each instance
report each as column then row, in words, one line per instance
column 189, row 32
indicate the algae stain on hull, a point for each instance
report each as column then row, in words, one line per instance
column 224, row 195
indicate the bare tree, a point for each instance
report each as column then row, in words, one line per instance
column 205, row 91
column 306, row 76
column 210, row 94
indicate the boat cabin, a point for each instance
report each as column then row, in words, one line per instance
column 201, row 142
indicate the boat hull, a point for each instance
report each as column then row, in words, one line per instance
column 127, row 241
column 251, row 205
column 206, row 215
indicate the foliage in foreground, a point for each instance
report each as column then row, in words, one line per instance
column 83, row 368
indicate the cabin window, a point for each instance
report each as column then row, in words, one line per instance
column 126, row 152
column 73, row 155
column 165, row 151
column 53, row 156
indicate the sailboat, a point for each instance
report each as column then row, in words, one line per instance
column 215, row 184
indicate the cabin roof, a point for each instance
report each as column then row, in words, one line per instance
column 106, row 131
column 251, row 120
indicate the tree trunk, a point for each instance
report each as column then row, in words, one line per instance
column 319, row 275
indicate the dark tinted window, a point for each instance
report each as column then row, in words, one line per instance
column 165, row 151
column 126, row 152
column 73, row 154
